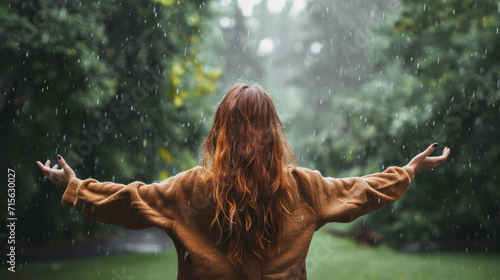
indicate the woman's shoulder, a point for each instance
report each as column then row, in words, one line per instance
column 306, row 179
column 193, row 174
column 304, row 171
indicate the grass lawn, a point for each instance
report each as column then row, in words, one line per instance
column 329, row 258
column 334, row 258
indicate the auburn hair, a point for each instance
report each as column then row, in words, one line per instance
column 247, row 157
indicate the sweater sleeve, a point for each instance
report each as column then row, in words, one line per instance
column 133, row 206
column 344, row 200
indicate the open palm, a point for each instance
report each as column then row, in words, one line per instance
column 57, row 176
column 423, row 162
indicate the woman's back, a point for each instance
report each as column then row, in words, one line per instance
column 319, row 200
column 181, row 205
column 249, row 212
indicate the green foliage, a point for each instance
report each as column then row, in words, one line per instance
column 110, row 85
column 320, row 59
column 437, row 82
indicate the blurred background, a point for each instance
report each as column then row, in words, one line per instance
column 125, row 90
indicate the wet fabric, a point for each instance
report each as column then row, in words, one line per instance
column 180, row 205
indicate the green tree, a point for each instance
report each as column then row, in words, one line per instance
column 437, row 81
column 113, row 86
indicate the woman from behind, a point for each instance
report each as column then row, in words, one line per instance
column 249, row 212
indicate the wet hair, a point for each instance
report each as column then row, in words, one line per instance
column 248, row 157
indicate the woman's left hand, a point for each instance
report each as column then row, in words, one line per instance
column 422, row 162
column 58, row 176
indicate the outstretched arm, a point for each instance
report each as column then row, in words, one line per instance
column 133, row 206
column 346, row 199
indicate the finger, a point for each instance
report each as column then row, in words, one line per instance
column 61, row 161
column 426, row 152
column 430, row 149
column 41, row 166
column 443, row 157
column 47, row 163
column 440, row 160
column 446, row 152
column 437, row 160
column 55, row 166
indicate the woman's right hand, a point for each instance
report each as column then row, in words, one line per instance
column 60, row 177
column 423, row 162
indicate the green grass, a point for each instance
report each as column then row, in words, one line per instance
column 329, row 258
column 333, row 258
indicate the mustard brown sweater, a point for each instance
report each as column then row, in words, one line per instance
column 180, row 206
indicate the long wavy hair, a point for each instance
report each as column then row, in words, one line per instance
column 248, row 156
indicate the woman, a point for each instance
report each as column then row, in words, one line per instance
column 249, row 212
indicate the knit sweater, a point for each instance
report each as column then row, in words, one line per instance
column 180, row 206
